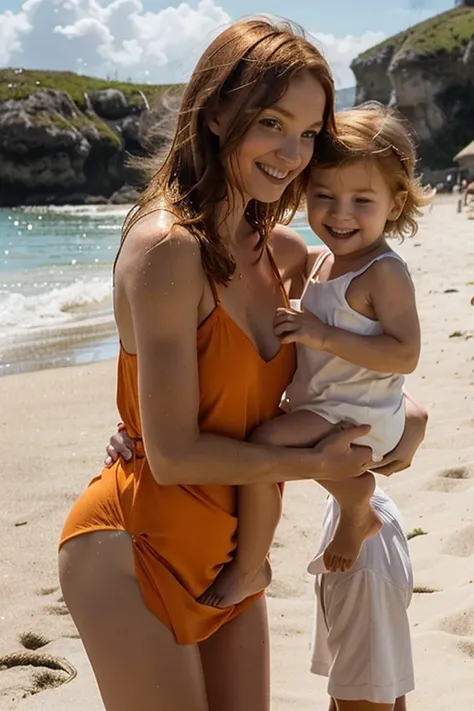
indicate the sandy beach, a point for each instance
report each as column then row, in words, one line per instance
column 54, row 425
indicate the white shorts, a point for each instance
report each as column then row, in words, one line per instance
column 387, row 426
column 361, row 638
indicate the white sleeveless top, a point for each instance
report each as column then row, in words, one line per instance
column 337, row 389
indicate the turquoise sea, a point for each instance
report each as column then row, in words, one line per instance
column 56, row 285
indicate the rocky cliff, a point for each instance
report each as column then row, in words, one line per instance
column 428, row 73
column 65, row 138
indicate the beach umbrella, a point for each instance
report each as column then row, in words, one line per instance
column 465, row 158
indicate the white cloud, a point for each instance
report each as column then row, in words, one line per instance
column 12, row 27
column 340, row 51
column 120, row 39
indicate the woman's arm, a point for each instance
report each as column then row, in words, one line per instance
column 397, row 460
column 164, row 287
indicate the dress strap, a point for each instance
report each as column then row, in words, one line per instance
column 277, row 274
column 215, row 293
column 384, row 255
column 319, row 263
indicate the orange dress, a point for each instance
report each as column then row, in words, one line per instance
column 183, row 535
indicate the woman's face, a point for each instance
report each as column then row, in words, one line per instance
column 279, row 144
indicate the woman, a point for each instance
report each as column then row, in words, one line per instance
column 203, row 254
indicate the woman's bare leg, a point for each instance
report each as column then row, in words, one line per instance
column 135, row 658
column 236, row 663
column 358, row 520
column 259, row 507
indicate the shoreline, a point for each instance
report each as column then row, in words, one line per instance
column 82, row 328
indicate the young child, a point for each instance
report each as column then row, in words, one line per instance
column 357, row 333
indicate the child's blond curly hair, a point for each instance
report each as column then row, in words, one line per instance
column 375, row 132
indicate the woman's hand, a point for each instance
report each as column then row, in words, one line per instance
column 401, row 457
column 292, row 326
column 120, row 445
column 340, row 456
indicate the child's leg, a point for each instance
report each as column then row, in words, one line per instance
column 259, row 507
column 260, row 510
column 358, row 521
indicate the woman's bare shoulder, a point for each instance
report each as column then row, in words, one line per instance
column 154, row 243
column 159, row 282
column 289, row 250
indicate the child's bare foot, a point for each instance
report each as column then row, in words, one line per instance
column 232, row 585
column 356, row 524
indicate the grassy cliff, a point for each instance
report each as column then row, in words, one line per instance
column 445, row 33
column 19, row 84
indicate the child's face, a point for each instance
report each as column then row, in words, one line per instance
column 348, row 206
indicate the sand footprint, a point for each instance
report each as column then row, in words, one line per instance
column 28, row 672
column 47, row 591
column 467, row 647
column 461, row 543
column 452, row 480
column 460, row 624
column 59, row 608
column 33, row 641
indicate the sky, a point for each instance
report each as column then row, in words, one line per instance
column 158, row 41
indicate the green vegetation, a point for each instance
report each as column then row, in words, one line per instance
column 53, row 118
column 416, row 532
column 19, row 84
column 447, row 32
column 424, row 589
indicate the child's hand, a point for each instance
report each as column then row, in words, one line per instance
column 300, row 327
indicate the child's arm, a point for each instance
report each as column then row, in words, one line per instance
column 395, row 351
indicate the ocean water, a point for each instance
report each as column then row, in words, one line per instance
column 56, row 285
